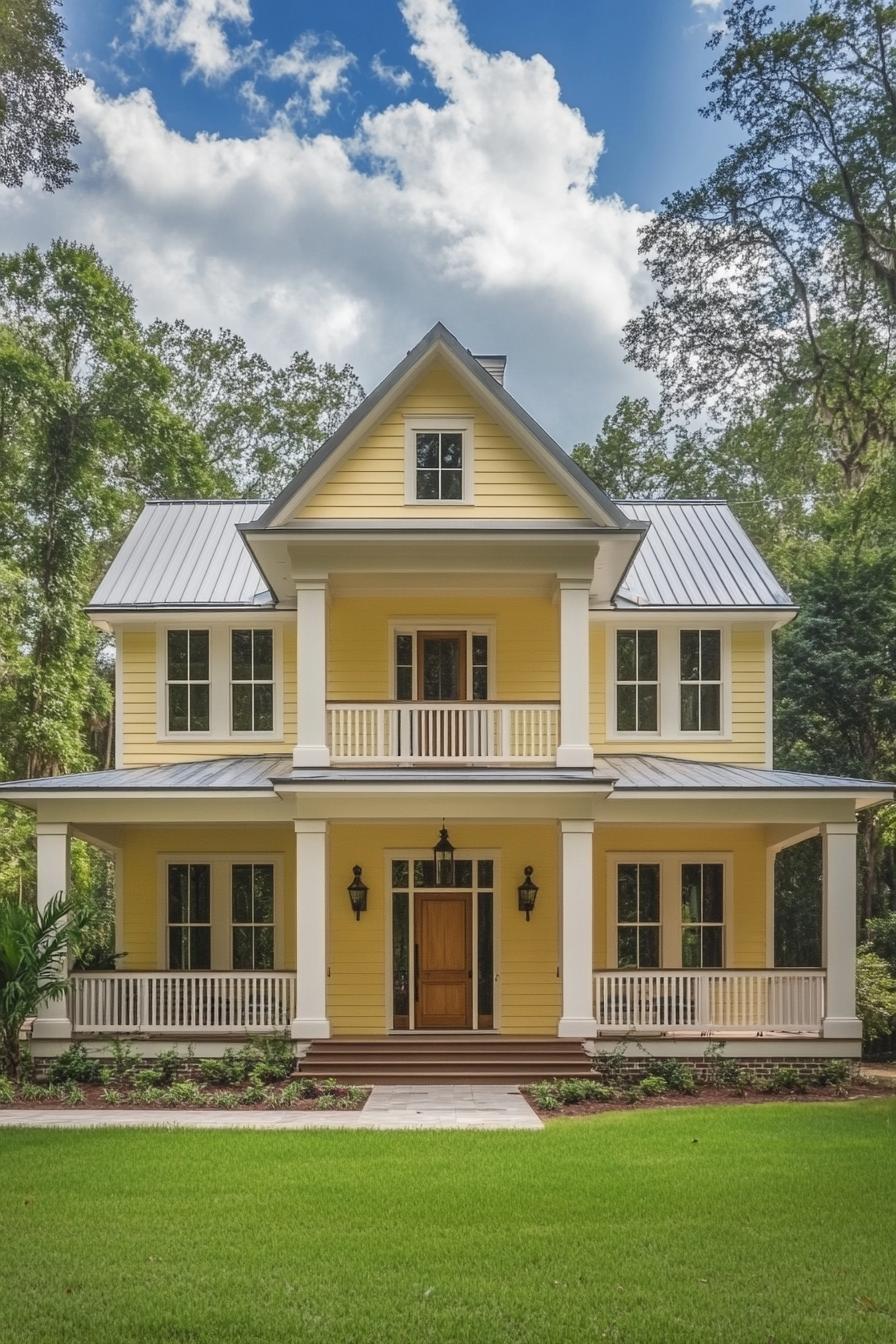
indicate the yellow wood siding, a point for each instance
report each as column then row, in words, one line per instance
column 746, row 744
column 144, row 916
column 526, row 655
column 142, row 742
column 527, row 992
column 507, row 481
column 745, row 844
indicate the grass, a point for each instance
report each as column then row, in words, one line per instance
column 767, row 1223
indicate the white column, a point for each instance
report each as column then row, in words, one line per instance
column 574, row 748
column 839, row 912
column 311, row 1020
column 311, row 675
column 52, row 1021
column 577, row 906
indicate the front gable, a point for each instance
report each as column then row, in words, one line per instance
column 377, row 477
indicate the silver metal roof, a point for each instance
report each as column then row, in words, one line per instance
column 190, row 554
column 185, row 553
column 695, row 554
column 675, row 773
column 626, row 774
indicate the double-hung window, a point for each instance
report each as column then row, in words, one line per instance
column 252, row 914
column 702, row 914
column 637, row 681
column 189, row 916
column 187, row 681
column 700, row 659
column 638, row 914
column 439, row 465
column 252, row 681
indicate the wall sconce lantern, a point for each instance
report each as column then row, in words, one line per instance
column 526, row 892
column 357, row 892
column 443, row 856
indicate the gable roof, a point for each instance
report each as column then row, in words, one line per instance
column 695, row 554
column 439, row 337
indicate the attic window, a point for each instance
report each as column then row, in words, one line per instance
column 439, row 461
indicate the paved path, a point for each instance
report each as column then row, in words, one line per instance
column 442, row 1106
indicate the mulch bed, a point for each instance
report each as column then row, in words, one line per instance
column 710, row 1096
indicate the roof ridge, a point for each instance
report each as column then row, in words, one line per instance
column 213, row 500
column 647, row 499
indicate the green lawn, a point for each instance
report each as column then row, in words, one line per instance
column 768, row 1223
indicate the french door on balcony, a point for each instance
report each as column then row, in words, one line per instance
column 441, row 665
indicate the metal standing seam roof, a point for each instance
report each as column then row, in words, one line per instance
column 696, row 554
column 186, row 553
column 189, row 553
column 626, row 774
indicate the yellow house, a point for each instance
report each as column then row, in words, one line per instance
column 445, row 740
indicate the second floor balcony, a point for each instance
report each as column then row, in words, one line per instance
column 452, row 732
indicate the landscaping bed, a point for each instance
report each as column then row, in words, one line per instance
column 257, row 1077
column 674, row 1082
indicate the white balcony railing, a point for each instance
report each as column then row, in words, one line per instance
column 709, row 1000
column 194, row 1001
column 461, row 732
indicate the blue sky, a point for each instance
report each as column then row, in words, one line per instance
column 336, row 175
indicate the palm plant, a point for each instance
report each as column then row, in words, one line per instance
column 33, row 959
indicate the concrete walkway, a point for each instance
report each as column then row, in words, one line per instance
column 442, row 1106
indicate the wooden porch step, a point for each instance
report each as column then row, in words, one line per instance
column 442, row 1059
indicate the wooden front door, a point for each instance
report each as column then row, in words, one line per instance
column 441, row 665
column 443, row 952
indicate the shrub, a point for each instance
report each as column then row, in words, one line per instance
column 272, row 1059
column 112, row 1096
column 571, row 1090
column 150, row 1096
column 653, row 1086
column 35, row 1092
column 166, row 1066
column 254, row 1094
column 609, row 1065
column 7, row 1092
column 125, row 1062
column 225, row 1100
column 70, row 1094
column 344, row 1099
column 545, row 1095
column 308, row 1087
column 721, row 1071
column 875, row 994
column 74, row 1065
column 223, row 1072
column 678, row 1076
column 183, row 1094
column 832, row 1073
column 786, row 1079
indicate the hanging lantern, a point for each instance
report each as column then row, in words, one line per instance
column 443, row 856
column 526, row 893
column 357, row 892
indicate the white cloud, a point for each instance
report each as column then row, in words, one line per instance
column 482, row 212
column 391, row 74
column 706, row 4
column 197, row 27
column 318, row 66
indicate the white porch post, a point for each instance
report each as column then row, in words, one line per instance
column 311, row 1020
column 311, row 681
column 52, row 1021
column 574, row 748
column 577, row 905
column 839, row 910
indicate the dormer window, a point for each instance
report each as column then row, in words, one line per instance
column 438, row 462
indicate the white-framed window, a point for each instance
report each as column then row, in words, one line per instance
column 637, row 681
column 439, row 460
column 252, row 916
column 668, row 909
column 638, row 923
column 252, row 680
column 702, row 914
column 189, row 900
column 187, row 681
column 700, row 690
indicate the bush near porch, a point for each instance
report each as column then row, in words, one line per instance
column 745, row 1223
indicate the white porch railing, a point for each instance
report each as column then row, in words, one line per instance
column 442, row 730
column 200, row 1001
column 709, row 1000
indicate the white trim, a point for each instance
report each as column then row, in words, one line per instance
column 670, row 862
column 769, row 699
column 436, row 424
column 416, row 624
column 220, row 863
column 219, row 729
column 669, row 674
column 118, row 703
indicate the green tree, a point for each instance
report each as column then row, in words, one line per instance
column 37, row 128
column 86, row 434
column 258, row 423
column 637, row 455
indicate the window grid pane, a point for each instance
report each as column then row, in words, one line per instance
column 638, row 914
column 700, row 695
column 439, row 457
column 702, row 915
column 189, row 916
column 252, row 681
column 252, row 916
column 187, row 676
column 637, row 681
